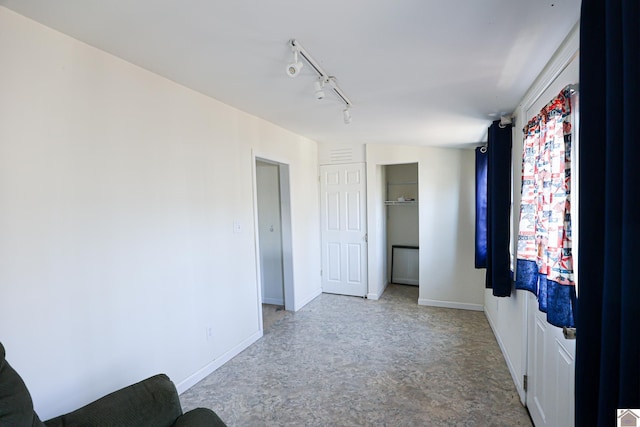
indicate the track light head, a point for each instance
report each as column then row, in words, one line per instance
column 346, row 114
column 293, row 69
column 319, row 85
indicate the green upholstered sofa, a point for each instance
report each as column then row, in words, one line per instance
column 152, row 402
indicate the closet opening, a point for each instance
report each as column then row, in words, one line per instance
column 402, row 234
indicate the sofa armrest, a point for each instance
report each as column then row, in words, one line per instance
column 16, row 406
column 199, row 417
column 152, row 402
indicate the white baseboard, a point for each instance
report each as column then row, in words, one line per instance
column 514, row 375
column 376, row 296
column 209, row 368
column 313, row 296
column 451, row 304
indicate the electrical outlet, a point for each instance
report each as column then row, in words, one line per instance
column 209, row 332
column 237, row 227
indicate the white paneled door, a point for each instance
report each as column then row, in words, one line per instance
column 344, row 231
column 551, row 368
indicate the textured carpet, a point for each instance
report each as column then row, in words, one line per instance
column 344, row 361
column 271, row 314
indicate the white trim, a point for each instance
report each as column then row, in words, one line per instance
column 451, row 304
column 524, row 344
column 376, row 296
column 514, row 374
column 210, row 367
column 256, row 239
column 558, row 62
column 313, row 296
column 287, row 236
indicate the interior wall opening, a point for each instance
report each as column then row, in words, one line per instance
column 402, row 224
column 274, row 240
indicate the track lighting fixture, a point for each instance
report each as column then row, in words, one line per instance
column 319, row 86
column 293, row 70
column 346, row 115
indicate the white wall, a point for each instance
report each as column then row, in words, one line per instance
column 118, row 194
column 446, row 222
column 376, row 231
column 508, row 316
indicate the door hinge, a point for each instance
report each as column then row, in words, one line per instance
column 525, row 382
column 321, row 273
column 366, row 237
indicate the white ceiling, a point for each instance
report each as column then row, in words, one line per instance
column 419, row 72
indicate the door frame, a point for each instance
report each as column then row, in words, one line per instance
column 287, row 239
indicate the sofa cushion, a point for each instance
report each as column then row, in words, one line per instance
column 151, row 402
column 199, row 417
column 16, row 406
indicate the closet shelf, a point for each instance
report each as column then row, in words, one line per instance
column 403, row 183
column 395, row 202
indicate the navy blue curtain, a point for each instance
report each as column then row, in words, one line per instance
column 498, row 275
column 481, row 207
column 608, row 317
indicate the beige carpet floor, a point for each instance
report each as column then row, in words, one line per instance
column 344, row 361
column 271, row 314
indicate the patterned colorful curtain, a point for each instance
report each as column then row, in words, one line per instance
column 544, row 259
